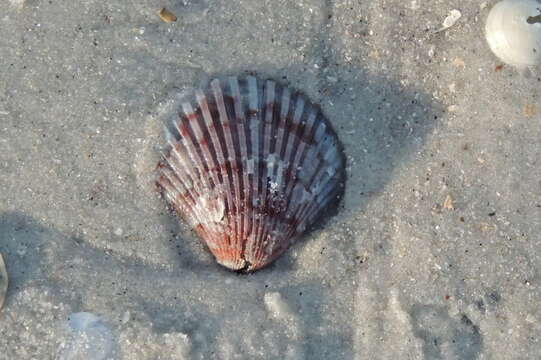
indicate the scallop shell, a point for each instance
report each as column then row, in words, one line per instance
column 250, row 165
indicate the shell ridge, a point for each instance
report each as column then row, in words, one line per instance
column 174, row 179
column 282, row 115
column 302, row 149
column 300, row 163
column 178, row 163
column 181, row 171
column 192, row 145
column 273, row 114
column 302, row 213
column 266, row 124
column 288, row 157
column 213, row 151
column 200, row 159
column 289, row 120
column 299, row 154
column 205, row 142
column 284, row 111
column 173, row 167
column 191, row 214
column 222, row 134
column 233, row 155
column 293, row 170
column 266, row 238
column 298, row 211
column 307, row 136
column 182, row 131
column 331, row 188
column 321, row 188
column 254, row 125
column 298, row 113
column 214, row 148
column 186, row 142
column 230, row 149
column 167, row 182
column 294, row 127
column 243, row 145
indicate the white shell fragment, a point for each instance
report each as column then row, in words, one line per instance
column 89, row 339
column 513, row 32
column 3, row 281
column 451, row 19
column 250, row 165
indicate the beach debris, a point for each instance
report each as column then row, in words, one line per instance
column 414, row 5
column 529, row 110
column 452, row 108
column 513, row 32
column 167, row 16
column 450, row 20
column 276, row 306
column 90, row 338
column 449, row 203
column 3, row 281
column 484, row 227
column 250, row 165
column 458, row 62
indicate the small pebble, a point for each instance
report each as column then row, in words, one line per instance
column 451, row 19
column 167, row 16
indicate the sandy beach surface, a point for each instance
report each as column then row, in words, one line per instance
column 434, row 253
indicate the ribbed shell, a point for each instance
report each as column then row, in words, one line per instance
column 250, row 165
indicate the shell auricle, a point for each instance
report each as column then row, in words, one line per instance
column 250, row 165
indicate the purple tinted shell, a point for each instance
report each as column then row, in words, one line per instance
column 250, row 165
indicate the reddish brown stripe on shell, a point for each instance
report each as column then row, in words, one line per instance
column 184, row 130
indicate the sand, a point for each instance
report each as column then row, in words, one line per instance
column 435, row 252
